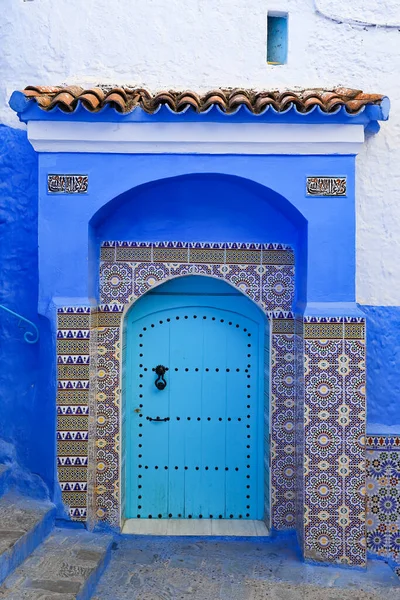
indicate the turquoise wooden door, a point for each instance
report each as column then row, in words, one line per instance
column 194, row 449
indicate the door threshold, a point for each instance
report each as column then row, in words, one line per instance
column 197, row 527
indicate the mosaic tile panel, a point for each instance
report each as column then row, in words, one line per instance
column 73, row 364
column 334, row 457
column 299, row 426
column 264, row 272
column 108, row 395
column 383, row 496
column 283, row 484
column 267, row 421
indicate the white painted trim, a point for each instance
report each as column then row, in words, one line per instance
column 195, row 138
column 200, row 527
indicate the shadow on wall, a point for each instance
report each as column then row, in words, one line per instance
column 383, row 370
column 27, row 422
column 200, row 207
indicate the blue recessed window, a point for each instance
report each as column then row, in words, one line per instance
column 277, row 38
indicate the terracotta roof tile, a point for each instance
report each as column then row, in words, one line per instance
column 124, row 99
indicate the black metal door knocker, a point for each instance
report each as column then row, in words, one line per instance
column 160, row 382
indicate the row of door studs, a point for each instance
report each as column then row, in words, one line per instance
column 168, row 320
column 191, row 516
column 141, row 434
column 196, row 468
column 141, row 425
column 206, row 369
column 141, row 476
column 208, row 418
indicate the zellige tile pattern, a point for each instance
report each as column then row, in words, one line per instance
column 334, row 458
column 383, row 496
column 73, row 363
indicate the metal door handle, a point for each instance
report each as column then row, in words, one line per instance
column 160, row 382
column 158, row 419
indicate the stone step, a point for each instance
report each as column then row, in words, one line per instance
column 5, row 472
column 66, row 566
column 24, row 523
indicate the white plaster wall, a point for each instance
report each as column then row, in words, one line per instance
column 201, row 44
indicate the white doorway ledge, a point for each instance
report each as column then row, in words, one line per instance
column 195, row 527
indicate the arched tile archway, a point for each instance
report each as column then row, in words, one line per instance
column 263, row 272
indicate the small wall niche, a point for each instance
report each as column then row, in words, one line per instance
column 277, row 38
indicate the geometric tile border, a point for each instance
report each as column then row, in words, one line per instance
column 299, row 418
column 73, row 360
column 334, row 440
column 283, row 468
column 382, row 442
column 107, row 405
column 264, row 272
column 383, row 496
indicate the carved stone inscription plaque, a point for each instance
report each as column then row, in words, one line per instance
column 67, row 184
column 326, row 186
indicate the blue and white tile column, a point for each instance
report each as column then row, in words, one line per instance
column 73, row 366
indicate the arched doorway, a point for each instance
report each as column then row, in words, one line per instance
column 194, row 445
column 267, row 272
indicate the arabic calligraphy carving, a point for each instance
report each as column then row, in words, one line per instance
column 67, row 184
column 326, row 186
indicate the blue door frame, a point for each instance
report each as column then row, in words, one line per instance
column 207, row 459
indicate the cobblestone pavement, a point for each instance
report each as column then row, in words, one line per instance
column 154, row 568
column 59, row 569
column 19, row 516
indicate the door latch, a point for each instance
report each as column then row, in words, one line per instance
column 158, row 419
column 160, row 382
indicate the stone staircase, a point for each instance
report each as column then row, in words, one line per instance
column 39, row 561
column 5, row 472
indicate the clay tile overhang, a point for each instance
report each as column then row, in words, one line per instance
column 124, row 100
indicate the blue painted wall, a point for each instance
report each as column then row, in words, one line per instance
column 202, row 207
column 63, row 229
column 198, row 205
column 383, row 368
column 27, row 420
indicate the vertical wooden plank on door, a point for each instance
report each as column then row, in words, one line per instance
column 236, row 422
column 264, row 424
column 256, row 413
column 178, row 412
column 242, row 492
column 133, row 396
column 153, row 436
column 214, row 412
column 125, row 427
column 188, row 350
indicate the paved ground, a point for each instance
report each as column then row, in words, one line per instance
column 62, row 568
column 155, row 568
column 18, row 516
